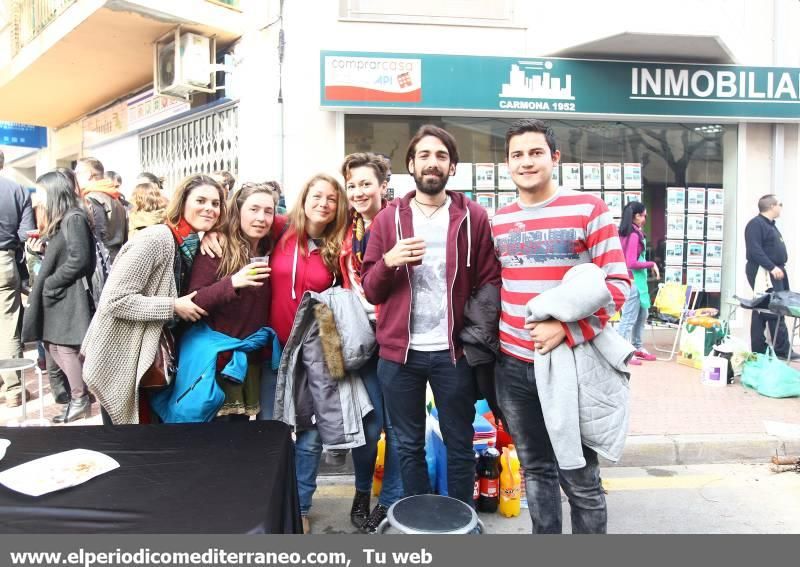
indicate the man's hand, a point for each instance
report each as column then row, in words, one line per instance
column 546, row 335
column 211, row 245
column 777, row 273
column 406, row 251
column 186, row 309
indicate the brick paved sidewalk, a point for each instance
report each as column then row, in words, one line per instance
column 667, row 399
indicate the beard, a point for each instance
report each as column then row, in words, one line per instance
column 432, row 186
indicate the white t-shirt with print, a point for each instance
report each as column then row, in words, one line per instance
column 429, row 328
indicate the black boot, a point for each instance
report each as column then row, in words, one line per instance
column 360, row 509
column 76, row 409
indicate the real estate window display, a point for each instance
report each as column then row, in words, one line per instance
column 618, row 161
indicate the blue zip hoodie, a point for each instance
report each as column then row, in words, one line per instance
column 195, row 395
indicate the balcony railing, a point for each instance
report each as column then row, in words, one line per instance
column 30, row 17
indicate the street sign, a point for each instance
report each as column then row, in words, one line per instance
column 22, row 135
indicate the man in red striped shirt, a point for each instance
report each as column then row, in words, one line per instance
column 538, row 238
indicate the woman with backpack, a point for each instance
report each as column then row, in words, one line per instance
column 146, row 291
column 634, row 311
column 60, row 305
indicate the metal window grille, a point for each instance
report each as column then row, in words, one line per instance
column 202, row 143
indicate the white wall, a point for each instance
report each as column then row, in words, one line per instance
column 122, row 156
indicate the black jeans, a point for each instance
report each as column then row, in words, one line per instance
column 453, row 389
column 759, row 322
column 515, row 382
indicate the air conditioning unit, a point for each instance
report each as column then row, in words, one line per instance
column 184, row 63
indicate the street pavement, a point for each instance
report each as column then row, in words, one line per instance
column 692, row 499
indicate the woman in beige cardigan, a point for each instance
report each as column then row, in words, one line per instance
column 142, row 294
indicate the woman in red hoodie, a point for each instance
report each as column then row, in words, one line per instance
column 306, row 258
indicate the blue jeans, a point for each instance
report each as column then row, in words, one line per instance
column 632, row 319
column 307, row 448
column 454, row 391
column 364, row 456
column 515, row 383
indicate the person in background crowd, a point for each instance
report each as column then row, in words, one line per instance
column 305, row 258
column 365, row 184
column 766, row 271
column 635, row 309
column 428, row 252
column 149, row 208
column 236, row 292
column 116, row 179
column 147, row 177
column 59, row 307
column 16, row 222
column 34, row 252
column 578, row 230
column 146, row 289
column 103, row 200
column 226, row 180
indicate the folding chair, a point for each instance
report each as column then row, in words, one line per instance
column 673, row 302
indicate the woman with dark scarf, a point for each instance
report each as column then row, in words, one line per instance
column 365, row 177
column 145, row 291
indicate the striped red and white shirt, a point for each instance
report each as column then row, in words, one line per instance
column 537, row 245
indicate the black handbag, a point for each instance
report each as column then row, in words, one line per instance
column 786, row 303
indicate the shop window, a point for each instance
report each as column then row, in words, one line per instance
column 461, row 12
column 676, row 170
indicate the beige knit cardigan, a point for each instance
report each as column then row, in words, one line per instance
column 122, row 340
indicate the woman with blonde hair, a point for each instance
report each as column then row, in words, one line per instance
column 306, row 258
column 149, row 208
column 145, row 291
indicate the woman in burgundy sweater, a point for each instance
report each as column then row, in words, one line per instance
column 236, row 291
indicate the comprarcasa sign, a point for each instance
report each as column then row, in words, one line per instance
column 582, row 88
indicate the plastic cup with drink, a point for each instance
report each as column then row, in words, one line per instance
column 258, row 259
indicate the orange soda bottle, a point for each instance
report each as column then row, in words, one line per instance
column 510, row 483
column 377, row 477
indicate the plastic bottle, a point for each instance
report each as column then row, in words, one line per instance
column 476, row 490
column 510, row 483
column 377, row 477
column 489, row 481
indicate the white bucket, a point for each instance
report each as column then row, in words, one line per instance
column 714, row 371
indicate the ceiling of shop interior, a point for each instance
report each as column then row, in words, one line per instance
column 653, row 47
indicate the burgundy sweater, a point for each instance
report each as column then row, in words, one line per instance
column 236, row 313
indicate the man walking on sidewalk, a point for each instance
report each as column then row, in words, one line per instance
column 766, row 261
column 16, row 219
column 428, row 252
column 538, row 239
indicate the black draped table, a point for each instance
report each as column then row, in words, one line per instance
column 182, row 478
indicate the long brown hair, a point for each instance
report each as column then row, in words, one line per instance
column 177, row 204
column 236, row 250
column 333, row 234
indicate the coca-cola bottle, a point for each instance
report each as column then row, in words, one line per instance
column 489, row 491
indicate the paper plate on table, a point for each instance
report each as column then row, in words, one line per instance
column 4, row 443
column 56, row 472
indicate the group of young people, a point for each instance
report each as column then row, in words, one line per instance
column 435, row 278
